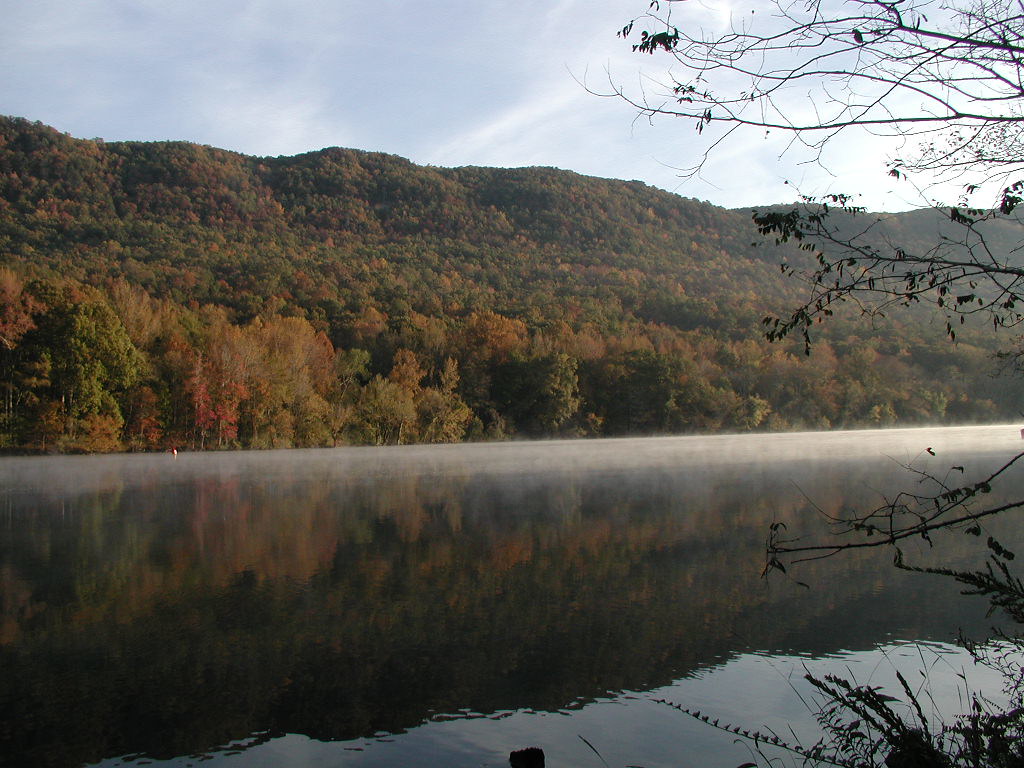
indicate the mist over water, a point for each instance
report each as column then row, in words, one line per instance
column 426, row 605
column 75, row 474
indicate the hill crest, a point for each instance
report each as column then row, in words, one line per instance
column 455, row 302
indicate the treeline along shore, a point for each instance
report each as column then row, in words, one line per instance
column 159, row 295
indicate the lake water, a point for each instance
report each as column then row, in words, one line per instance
column 444, row 605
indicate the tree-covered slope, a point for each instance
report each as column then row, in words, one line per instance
column 169, row 293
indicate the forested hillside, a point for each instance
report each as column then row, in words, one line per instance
column 170, row 294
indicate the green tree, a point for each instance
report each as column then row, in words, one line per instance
column 385, row 414
column 288, row 383
column 443, row 415
column 82, row 363
column 635, row 393
column 539, row 394
column 351, row 371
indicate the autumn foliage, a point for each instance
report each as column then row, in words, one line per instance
column 171, row 295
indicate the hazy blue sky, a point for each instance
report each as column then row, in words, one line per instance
column 449, row 82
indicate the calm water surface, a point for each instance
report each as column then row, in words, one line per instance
column 428, row 606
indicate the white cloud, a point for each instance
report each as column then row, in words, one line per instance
column 449, row 83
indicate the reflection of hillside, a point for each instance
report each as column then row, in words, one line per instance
column 339, row 604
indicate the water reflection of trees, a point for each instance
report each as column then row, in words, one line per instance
column 168, row 615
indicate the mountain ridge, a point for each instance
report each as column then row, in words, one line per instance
column 485, row 302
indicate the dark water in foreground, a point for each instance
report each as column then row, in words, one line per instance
column 444, row 605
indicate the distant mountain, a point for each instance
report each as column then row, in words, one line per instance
column 439, row 304
column 268, row 218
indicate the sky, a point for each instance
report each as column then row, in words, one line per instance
column 445, row 83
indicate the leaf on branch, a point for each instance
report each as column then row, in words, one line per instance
column 1009, row 200
column 651, row 42
column 957, row 216
column 999, row 549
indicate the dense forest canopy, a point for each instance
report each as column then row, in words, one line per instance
column 170, row 294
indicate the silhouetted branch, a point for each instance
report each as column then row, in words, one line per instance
column 907, row 516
